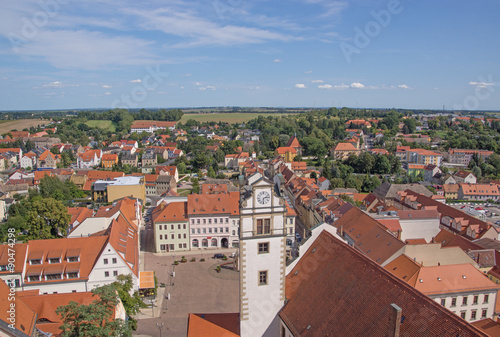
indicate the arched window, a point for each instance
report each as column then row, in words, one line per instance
column 204, row 243
column 195, row 243
column 214, row 242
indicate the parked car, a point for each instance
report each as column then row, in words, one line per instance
column 219, row 256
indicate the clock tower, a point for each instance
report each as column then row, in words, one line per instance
column 262, row 258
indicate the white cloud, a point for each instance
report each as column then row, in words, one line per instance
column 308, row 72
column 202, row 88
column 325, row 86
column 105, row 86
column 341, row 86
column 300, row 86
column 357, row 85
column 317, row 81
column 136, row 81
column 481, row 84
column 58, row 84
column 81, row 49
column 197, row 83
column 107, row 93
column 403, row 86
column 197, row 30
column 277, row 60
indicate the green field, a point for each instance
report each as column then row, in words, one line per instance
column 236, row 117
column 106, row 125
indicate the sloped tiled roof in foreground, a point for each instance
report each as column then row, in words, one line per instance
column 336, row 291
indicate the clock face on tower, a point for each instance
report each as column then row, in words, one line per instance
column 263, row 197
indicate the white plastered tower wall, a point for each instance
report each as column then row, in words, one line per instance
column 260, row 303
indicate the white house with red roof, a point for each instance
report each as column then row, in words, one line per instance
column 89, row 159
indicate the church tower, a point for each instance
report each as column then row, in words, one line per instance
column 262, row 258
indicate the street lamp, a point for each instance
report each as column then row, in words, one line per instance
column 160, row 326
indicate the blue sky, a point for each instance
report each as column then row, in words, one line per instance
column 61, row 54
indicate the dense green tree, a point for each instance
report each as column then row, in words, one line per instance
column 95, row 319
column 47, row 219
column 131, row 302
column 382, row 164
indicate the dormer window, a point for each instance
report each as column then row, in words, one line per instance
column 72, row 275
column 35, row 261
column 34, row 278
column 55, row 260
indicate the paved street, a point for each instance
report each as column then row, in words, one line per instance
column 196, row 288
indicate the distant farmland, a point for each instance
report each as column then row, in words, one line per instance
column 106, row 125
column 235, row 117
column 20, row 124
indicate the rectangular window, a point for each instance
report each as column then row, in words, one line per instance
column 215, row 229
column 192, row 231
column 73, row 259
column 464, row 300
column 184, row 245
column 484, row 313
column 72, row 275
column 220, row 220
column 161, row 237
column 171, row 247
column 227, row 229
column 184, row 226
column 160, row 227
column 105, row 261
column 473, row 314
column 486, row 298
column 185, row 237
column 204, row 231
column 262, row 277
column 179, row 226
column 56, row 260
column 53, row 276
column 227, row 220
column 263, row 226
column 178, row 236
column 163, row 247
column 34, row 278
column 198, row 221
column 453, row 301
column 215, row 220
column 114, row 260
column 476, row 299
column 209, row 230
column 204, row 221
column 443, row 302
column 180, row 245
column 263, row 247
column 172, row 227
column 198, row 231
column 210, row 221
column 106, row 274
column 221, row 229
column 462, row 314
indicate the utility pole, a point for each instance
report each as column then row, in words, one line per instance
column 160, row 326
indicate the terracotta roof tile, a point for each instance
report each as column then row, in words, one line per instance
column 334, row 290
column 213, row 325
column 200, row 204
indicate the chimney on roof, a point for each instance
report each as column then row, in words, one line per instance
column 394, row 320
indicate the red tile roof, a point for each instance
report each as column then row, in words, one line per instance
column 488, row 326
column 79, row 213
column 213, row 325
column 20, row 250
column 334, row 290
column 124, row 237
column 174, row 211
column 203, row 204
column 369, row 236
column 293, row 142
column 89, row 249
column 25, row 318
column 345, row 147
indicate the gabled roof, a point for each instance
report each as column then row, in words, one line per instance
column 79, row 213
column 214, row 325
column 126, row 206
column 174, row 211
column 479, row 189
column 488, row 326
column 462, row 174
column 449, row 239
column 345, row 147
column 293, row 142
column 284, row 150
column 201, row 204
column 110, row 156
column 451, row 279
column 25, row 318
column 20, row 250
column 89, row 249
column 123, row 236
column 347, row 294
column 46, row 154
column 404, row 268
column 369, row 236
